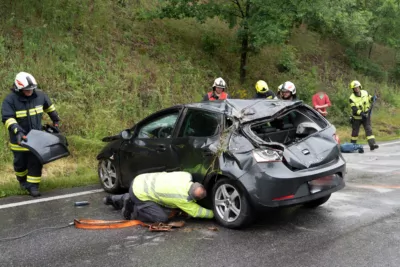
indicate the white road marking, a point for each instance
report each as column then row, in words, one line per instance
column 22, row 203
column 389, row 144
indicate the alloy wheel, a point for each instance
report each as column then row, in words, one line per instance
column 227, row 202
column 108, row 174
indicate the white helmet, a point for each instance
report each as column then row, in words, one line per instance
column 219, row 82
column 25, row 81
column 288, row 86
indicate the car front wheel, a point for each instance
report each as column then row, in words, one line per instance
column 317, row 202
column 108, row 176
column 231, row 206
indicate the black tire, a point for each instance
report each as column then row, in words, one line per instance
column 108, row 176
column 317, row 202
column 239, row 213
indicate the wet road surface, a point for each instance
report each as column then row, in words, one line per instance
column 358, row 226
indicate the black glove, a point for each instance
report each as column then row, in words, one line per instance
column 56, row 127
column 364, row 115
column 21, row 136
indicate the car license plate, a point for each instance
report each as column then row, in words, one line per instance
column 322, row 183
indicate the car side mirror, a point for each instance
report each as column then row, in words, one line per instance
column 126, row 134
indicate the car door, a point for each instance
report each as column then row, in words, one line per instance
column 196, row 140
column 149, row 150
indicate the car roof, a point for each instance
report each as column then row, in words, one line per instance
column 246, row 109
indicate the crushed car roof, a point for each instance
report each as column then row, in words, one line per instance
column 246, row 110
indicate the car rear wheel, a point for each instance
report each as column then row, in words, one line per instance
column 317, row 202
column 231, row 206
column 108, row 176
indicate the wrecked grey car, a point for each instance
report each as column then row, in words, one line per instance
column 249, row 154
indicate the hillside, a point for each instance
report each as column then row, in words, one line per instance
column 105, row 69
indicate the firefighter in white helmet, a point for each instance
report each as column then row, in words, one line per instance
column 218, row 91
column 287, row 91
column 22, row 111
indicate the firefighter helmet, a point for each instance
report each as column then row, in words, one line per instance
column 355, row 84
column 25, row 81
column 261, row 87
column 219, row 82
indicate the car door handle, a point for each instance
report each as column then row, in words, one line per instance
column 161, row 148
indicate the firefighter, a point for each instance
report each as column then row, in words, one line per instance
column 152, row 196
column 22, row 111
column 218, row 91
column 262, row 91
column 360, row 103
column 287, row 91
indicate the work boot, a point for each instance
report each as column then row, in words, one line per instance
column 22, row 182
column 127, row 210
column 372, row 144
column 33, row 189
column 115, row 201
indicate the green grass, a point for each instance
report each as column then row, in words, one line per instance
column 105, row 69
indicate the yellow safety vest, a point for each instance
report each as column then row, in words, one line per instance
column 362, row 102
column 169, row 189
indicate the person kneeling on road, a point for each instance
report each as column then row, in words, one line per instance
column 152, row 196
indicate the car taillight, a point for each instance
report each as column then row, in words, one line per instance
column 283, row 198
column 337, row 139
column 266, row 155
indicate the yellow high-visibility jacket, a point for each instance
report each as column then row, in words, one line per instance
column 169, row 189
column 360, row 104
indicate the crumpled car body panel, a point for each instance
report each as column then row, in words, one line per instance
column 46, row 146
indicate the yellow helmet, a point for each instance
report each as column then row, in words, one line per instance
column 355, row 84
column 262, row 87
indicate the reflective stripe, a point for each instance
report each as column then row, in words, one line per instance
column 21, row 113
column 200, row 212
column 16, row 147
column 33, row 179
column 10, row 122
column 23, row 173
column 371, row 137
column 354, row 138
column 39, row 109
column 208, row 214
column 177, row 196
column 32, row 111
column 50, row 109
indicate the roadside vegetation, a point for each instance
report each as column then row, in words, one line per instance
column 106, row 67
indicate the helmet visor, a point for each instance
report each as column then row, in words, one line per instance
column 29, row 87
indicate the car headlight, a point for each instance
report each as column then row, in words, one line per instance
column 266, row 155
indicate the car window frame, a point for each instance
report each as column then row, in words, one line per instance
column 156, row 116
column 185, row 114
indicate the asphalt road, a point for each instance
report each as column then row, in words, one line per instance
column 358, row 226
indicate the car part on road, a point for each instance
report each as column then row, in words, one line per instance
column 81, row 203
column 231, row 206
column 317, row 202
column 108, row 176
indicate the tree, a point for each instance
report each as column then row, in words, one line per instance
column 259, row 22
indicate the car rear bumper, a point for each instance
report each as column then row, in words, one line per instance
column 274, row 185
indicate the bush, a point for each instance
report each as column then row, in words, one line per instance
column 366, row 66
column 210, row 44
column 288, row 60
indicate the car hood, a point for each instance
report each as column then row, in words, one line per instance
column 252, row 110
